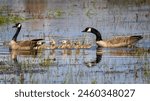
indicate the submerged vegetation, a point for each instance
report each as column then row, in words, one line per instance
column 10, row 19
column 58, row 13
column 127, row 2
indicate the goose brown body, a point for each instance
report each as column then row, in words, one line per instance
column 120, row 41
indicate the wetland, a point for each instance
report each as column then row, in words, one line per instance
column 64, row 20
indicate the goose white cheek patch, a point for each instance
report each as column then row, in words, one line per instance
column 89, row 30
column 19, row 25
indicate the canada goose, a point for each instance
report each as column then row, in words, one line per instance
column 69, row 44
column 86, row 46
column 53, row 44
column 121, row 41
column 78, row 45
column 65, row 44
column 23, row 45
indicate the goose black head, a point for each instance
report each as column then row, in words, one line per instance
column 17, row 25
column 88, row 30
column 94, row 31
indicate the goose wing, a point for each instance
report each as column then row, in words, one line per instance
column 122, row 41
column 37, row 39
column 31, row 43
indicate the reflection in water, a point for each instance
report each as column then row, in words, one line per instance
column 66, row 52
column 36, row 7
column 14, row 53
column 20, row 68
column 129, row 52
column 60, row 66
column 117, row 52
column 97, row 60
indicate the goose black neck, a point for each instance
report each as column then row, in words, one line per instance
column 16, row 34
column 98, row 35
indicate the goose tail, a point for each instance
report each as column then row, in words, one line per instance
column 137, row 37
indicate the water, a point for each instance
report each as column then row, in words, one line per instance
column 56, row 19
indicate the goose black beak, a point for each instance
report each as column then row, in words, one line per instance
column 14, row 26
column 83, row 31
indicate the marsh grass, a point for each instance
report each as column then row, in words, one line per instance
column 57, row 13
column 7, row 16
column 10, row 19
column 93, row 82
column 124, row 3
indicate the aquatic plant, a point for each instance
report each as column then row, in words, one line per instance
column 46, row 62
column 94, row 3
column 7, row 16
column 55, row 13
column 89, row 13
column 124, row 3
column 93, row 82
column 10, row 19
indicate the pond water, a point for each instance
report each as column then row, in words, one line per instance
column 65, row 19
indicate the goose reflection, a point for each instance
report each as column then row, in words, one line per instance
column 97, row 59
column 17, row 67
column 129, row 52
column 15, row 53
column 121, row 52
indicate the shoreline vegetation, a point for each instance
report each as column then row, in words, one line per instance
column 10, row 19
column 58, row 13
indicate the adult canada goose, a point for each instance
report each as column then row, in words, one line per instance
column 120, row 41
column 23, row 45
